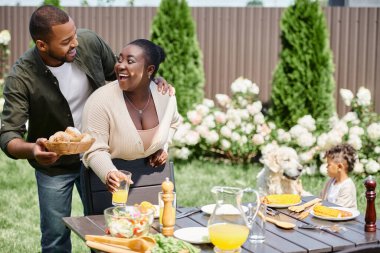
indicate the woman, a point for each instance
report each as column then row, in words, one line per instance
column 129, row 118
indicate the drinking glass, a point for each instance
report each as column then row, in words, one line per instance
column 120, row 196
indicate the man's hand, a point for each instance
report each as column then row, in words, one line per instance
column 158, row 158
column 163, row 86
column 41, row 155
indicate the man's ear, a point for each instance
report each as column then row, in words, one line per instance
column 41, row 45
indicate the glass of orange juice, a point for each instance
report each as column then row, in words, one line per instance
column 161, row 205
column 120, row 196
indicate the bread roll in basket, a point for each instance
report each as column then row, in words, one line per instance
column 69, row 142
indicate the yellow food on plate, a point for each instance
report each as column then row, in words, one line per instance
column 145, row 206
column 282, row 199
column 325, row 211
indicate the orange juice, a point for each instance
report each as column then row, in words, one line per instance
column 162, row 211
column 120, row 197
column 227, row 236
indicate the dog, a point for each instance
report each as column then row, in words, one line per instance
column 281, row 172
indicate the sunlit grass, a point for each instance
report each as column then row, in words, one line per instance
column 19, row 212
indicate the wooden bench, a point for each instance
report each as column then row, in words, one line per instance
column 147, row 184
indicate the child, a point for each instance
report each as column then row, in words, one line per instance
column 340, row 189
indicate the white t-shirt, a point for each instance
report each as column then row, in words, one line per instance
column 334, row 189
column 75, row 87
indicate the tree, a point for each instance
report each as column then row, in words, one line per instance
column 55, row 3
column 303, row 81
column 173, row 29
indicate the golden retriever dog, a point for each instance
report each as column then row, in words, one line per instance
column 281, row 172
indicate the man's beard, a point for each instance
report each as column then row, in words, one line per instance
column 62, row 59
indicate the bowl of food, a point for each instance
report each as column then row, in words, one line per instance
column 128, row 221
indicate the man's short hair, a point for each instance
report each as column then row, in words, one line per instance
column 43, row 19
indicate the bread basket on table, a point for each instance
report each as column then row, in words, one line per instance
column 68, row 148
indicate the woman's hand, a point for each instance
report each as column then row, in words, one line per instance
column 163, row 86
column 158, row 158
column 114, row 178
column 41, row 155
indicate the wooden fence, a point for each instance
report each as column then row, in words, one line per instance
column 234, row 41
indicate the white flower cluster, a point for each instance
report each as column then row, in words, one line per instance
column 5, row 37
column 234, row 129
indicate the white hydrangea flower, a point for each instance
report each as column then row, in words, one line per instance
column 356, row 130
column 310, row 170
column 240, row 85
column 259, row 118
column 297, row 130
column 333, row 120
column 212, row 137
column 377, row 150
column 2, row 101
column 350, row 117
column 255, row 107
column 231, row 124
column 263, row 129
column 192, row 138
column 223, row 100
column 268, row 147
column 254, row 89
column 347, row 96
column 272, row 125
column 305, row 140
column 358, row 167
column 243, row 113
column 220, row 117
column 372, row 167
column 209, row 121
column 208, row 102
column 258, row 139
column 323, row 169
column 235, row 137
column 373, row 131
column 242, row 101
column 194, row 117
column 341, row 128
column 182, row 130
column 202, row 130
column 226, row 131
column 307, row 122
column 322, row 141
column 202, row 109
column 5, row 37
column 306, row 157
column 283, row 136
column 225, row 144
column 333, row 138
column 247, row 128
column 364, row 96
column 244, row 139
column 355, row 141
column 182, row 153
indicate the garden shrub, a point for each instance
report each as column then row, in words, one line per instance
column 173, row 29
column 303, row 81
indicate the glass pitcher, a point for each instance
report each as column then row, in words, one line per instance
column 228, row 226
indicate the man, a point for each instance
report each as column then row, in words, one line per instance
column 48, row 86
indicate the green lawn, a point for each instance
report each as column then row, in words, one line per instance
column 19, row 213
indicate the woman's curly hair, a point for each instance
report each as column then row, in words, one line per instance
column 341, row 153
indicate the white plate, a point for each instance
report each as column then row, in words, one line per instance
column 355, row 213
column 283, row 205
column 194, row 235
column 227, row 209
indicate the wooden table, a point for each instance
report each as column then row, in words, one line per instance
column 276, row 239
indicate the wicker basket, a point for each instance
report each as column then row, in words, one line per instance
column 68, row 148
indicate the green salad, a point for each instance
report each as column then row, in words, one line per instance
column 172, row 245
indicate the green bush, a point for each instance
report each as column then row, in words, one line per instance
column 303, row 81
column 173, row 29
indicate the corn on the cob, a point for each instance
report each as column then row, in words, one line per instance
column 282, row 199
column 330, row 212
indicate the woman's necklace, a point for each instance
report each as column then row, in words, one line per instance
column 140, row 111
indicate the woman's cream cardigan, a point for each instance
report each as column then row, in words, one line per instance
column 106, row 118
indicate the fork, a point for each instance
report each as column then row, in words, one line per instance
column 188, row 213
column 334, row 228
column 272, row 212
